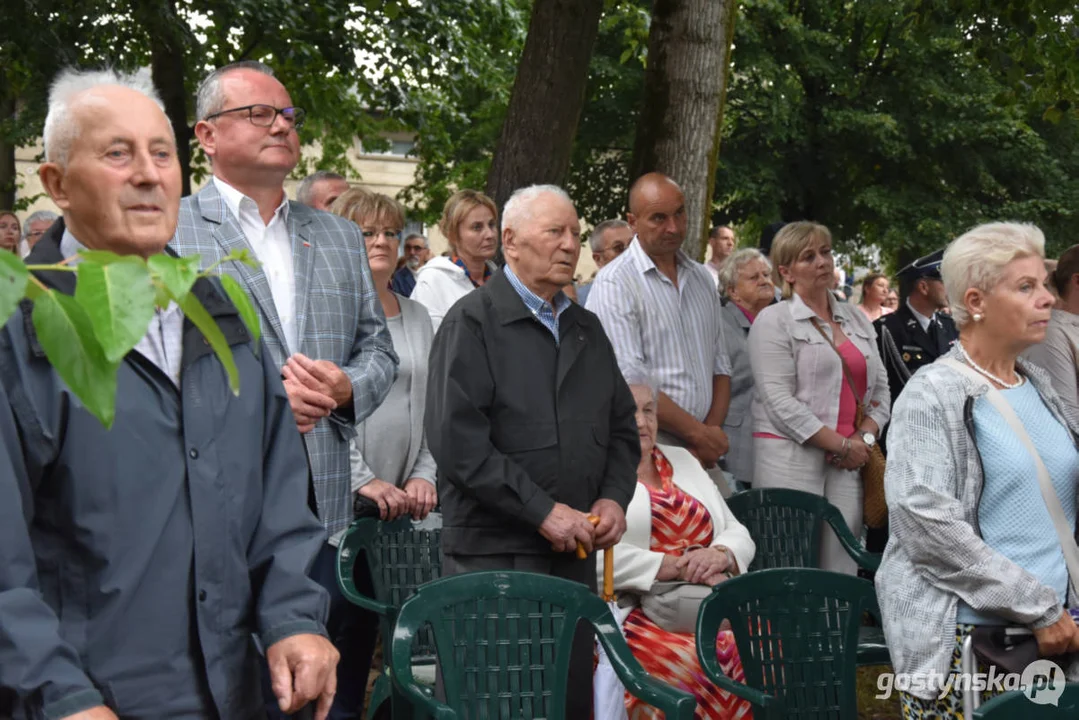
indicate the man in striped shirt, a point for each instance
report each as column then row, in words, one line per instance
column 661, row 311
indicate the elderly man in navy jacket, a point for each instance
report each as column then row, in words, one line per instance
column 528, row 417
column 136, row 563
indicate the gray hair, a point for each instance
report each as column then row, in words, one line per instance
column 596, row 241
column 518, row 207
column 211, row 98
column 417, row 235
column 39, row 216
column 307, row 186
column 72, row 87
column 728, row 274
column 641, row 377
column 977, row 258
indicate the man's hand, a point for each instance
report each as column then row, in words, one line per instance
column 308, row 406
column 422, row 497
column 95, row 713
column 303, row 668
column 322, row 376
column 392, row 501
column 708, row 444
column 565, row 527
column 611, row 525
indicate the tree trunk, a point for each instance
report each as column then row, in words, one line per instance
column 682, row 110
column 167, row 43
column 7, row 150
column 548, row 95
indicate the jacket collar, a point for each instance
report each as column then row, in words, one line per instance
column 509, row 307
column 801, row 311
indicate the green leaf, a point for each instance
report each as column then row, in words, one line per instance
column 101, row 257
column 13, row 276
column 196, row 313
column 242, row 302
column 119, row 300
column 67, row 336
column 176, row 274
column 244, row 256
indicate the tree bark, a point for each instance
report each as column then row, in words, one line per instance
column 682, row 109
column 166, row 31
column 7, row 150
column 548, row 96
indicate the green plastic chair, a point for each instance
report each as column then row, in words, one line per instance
column 401, row 559
column 786, row 526
column 796, row 630
column 1016, row 704
column 503, row 641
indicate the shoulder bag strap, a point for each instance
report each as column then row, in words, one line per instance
column 1045, row 483
column 846, row 370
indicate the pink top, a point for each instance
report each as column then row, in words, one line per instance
column 848, row 404
column 749, row 316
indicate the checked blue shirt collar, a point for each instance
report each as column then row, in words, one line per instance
column 547, row 313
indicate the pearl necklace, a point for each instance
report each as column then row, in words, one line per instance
column 985, row 373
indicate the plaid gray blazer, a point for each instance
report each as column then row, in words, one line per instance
column 338, row 318
column 935, row 555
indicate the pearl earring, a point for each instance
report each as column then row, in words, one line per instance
column 978, row 317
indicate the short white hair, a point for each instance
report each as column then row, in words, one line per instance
column 977, row 258
column 597, row 241
column 72, row 87
column 728, row 273
column 519, row 207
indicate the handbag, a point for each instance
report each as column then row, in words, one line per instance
column 874, row 506
column 1013, row 648
column 674, row 606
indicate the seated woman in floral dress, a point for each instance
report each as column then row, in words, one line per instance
column 677, row 528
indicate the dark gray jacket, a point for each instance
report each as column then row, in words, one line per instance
column 517, row 423
column 136, row 562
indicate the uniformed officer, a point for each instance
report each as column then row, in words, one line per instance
column 918, row 332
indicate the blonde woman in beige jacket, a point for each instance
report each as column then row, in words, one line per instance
column 804, row 431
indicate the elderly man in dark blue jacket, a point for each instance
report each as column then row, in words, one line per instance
column 137, row 563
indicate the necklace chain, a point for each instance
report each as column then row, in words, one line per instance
column 970, row 361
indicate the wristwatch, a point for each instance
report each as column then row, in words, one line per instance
column 869, row 439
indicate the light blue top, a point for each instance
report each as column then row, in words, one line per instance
column 1012, row 514
column 546, row 312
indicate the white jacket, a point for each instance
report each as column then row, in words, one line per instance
column 439, row 284
column 635, row 565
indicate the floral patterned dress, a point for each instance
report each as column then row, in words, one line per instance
column 679, row 521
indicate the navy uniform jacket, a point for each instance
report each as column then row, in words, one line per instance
column 905, row 347
column 517, row 423
column 137, row 562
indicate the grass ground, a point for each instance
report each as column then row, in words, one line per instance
column 869, row 708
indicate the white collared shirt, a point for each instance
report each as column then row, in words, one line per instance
column 922, row 319
column 163, row 342
column 273, row 248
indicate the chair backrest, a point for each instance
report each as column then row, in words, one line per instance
column 1017, row 704
column 503, row 640
column 785, row 525
column 797, row 635
column 400, row 559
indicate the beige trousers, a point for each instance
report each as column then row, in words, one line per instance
column 786, row 464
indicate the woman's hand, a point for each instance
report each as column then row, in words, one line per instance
column 856, row 456
column 704, row 566
column 421, row 497
column 668, row 569
column 1059, row 638
column 392, row 501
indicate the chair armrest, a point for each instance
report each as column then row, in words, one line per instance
column 346, row 564
column 865, row 559
column 400, row 672
column 708, row 622
column 676, row 704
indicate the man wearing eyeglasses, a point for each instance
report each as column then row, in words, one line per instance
column 34, row 227
column 317, row 305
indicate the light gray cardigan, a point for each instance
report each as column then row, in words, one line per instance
column 419, row 333
column 935, row 555
column 739, row 422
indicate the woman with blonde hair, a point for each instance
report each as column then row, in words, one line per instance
column 974, row 545
column 814, row 360
column 875, row 290
column 470, row 224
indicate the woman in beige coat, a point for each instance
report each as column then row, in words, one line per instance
column 804, row 430
column 1058, row 354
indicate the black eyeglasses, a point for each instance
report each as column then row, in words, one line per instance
column 266, row 115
